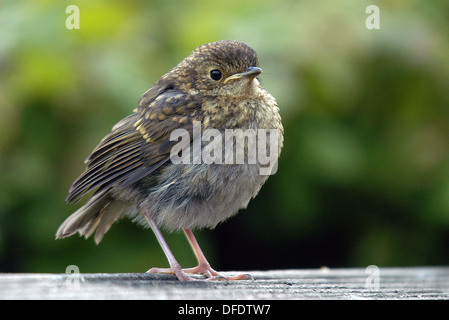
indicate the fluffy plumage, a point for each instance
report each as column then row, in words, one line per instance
column 130, row 171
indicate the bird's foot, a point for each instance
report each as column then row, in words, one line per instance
column 206, row 270
column 180, row 274
column 211, row 274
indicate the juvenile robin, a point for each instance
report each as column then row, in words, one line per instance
column 132, row 172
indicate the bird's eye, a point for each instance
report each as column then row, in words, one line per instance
column 215, row 74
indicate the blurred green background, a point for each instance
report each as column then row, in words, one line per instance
column 364, row 175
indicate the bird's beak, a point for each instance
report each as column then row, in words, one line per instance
column 250, row 72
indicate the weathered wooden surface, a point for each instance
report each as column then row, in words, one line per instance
column 384, row 283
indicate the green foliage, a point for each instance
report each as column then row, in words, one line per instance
column 364, row 175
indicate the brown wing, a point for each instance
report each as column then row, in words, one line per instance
column 138, row 144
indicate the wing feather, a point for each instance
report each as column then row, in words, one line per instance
column 139, row 144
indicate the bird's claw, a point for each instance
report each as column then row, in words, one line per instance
column 207, row 271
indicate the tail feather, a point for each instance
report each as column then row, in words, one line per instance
column 110, row 214
column 98, row 214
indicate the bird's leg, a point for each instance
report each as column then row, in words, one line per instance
column 204, row 266
column 175, row 267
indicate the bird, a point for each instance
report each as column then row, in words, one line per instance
column 144, row 169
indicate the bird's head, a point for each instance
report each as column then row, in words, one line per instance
column 218, row 68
